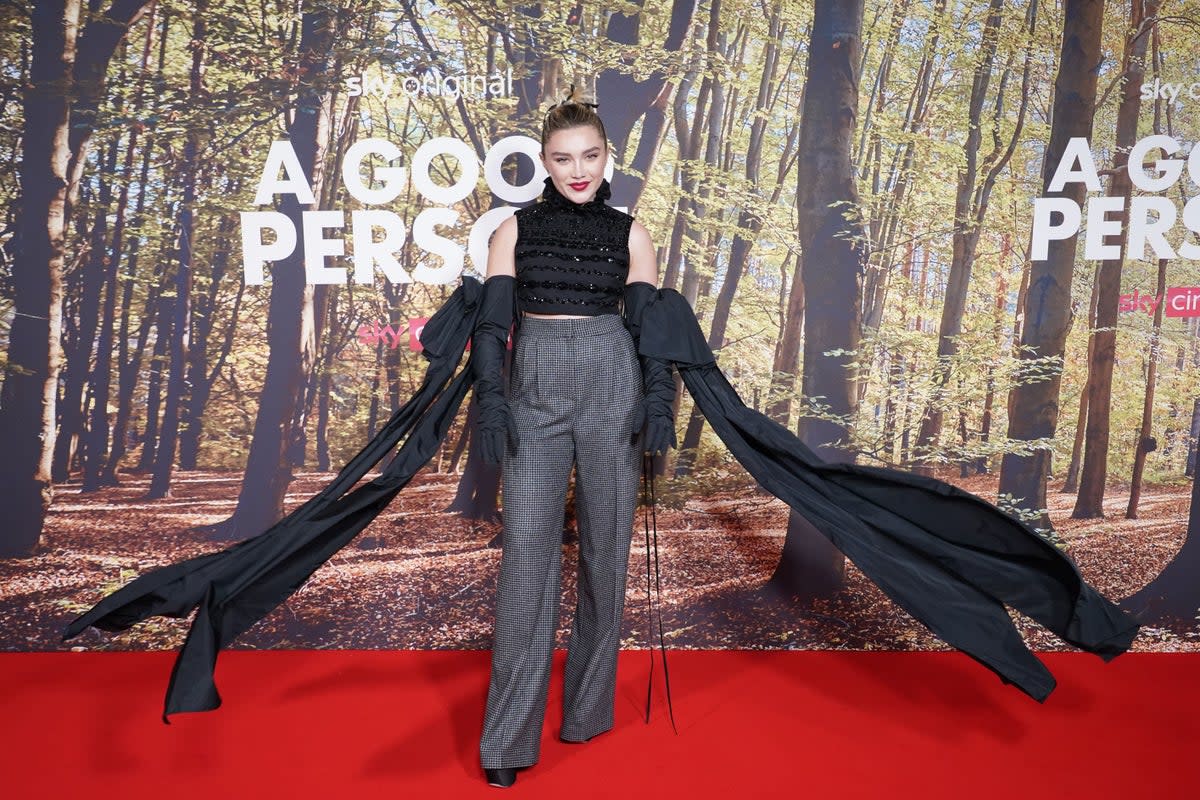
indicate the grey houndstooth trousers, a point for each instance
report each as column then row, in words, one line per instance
column 574, row 389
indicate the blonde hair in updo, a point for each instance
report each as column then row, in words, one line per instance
column 572, row 111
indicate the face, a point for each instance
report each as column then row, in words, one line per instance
column 576, row 159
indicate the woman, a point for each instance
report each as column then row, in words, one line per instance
column 952, row 560
column 575, row 400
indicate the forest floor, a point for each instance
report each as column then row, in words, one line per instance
column 421, row 578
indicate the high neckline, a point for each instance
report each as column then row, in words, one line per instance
column 553, row 197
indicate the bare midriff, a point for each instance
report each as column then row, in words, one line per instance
column 557, row 316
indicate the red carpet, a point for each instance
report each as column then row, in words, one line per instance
column 751, row 724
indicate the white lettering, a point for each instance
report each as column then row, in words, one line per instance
column 255, row 253
column 1044, row 231
column 283, row 155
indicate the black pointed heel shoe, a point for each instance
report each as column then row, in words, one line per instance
column 502, row 776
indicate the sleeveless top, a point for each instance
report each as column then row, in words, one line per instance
column 571, row 258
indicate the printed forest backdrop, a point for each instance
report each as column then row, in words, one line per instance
column 956, row 238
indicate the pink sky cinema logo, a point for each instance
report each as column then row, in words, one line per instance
column 390, row 335
column 1181, row 301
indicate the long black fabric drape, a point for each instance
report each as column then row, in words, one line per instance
column 238, row 586
column 948, row 557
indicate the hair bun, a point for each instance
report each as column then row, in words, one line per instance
column 574, row 97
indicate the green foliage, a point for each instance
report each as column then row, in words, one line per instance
column 907, row 166
column 1012, row 506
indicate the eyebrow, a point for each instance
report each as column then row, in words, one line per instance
column 585, row 152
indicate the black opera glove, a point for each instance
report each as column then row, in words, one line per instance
column 488, row 344
column 658, row 405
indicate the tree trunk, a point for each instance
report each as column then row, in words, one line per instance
column 711, row 125
column 153, row 319
column 158, row 358
column 965, row 240
column 27, row 399
column 373, row 407
column 833, row 240
column 896, row 373
column 105, row 31
column 750, row 221
column 96, row 449
column 689, row 116
column 199, row 377
column 1193, row 442
column 885, row 220
column 1146, row 442
column 1089, row 503
column 312, row 323
column 92, row 286
column 181, row 304
column 787, row 355
column 130, row 363
column 1071, row 481
column 260, row 502
column 1034, row 406
column 325, row 385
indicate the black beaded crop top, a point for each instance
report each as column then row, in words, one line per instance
column 571, row 258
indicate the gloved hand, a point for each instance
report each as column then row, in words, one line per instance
column 657, row 417
column 488, row 343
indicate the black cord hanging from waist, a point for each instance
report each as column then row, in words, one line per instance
column 650, row 517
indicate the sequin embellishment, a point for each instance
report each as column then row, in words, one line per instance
column 571, row 258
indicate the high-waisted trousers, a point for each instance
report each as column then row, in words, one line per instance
column 574, row 388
